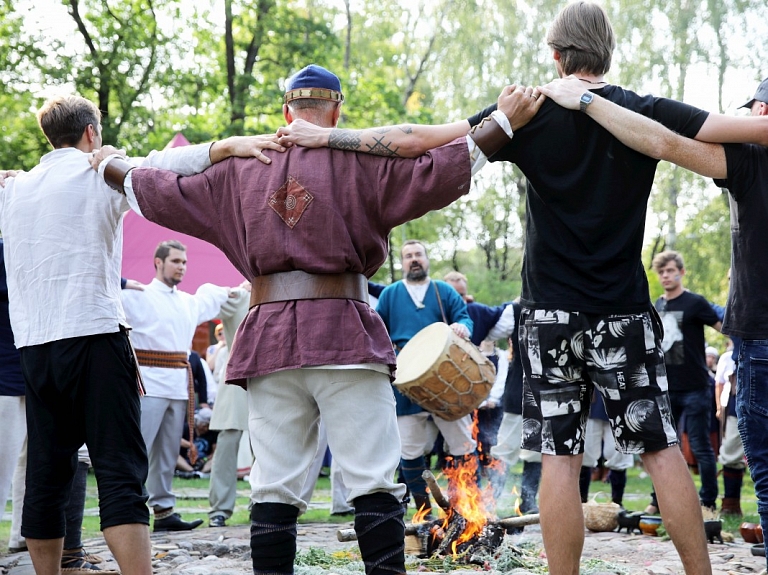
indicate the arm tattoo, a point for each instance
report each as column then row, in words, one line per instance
column 344, row 140
column 352, row 140
column 382, row 148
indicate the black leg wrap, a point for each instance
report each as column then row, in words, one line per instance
column 380, row 533
column 273, row 538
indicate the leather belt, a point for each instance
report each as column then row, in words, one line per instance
column 298, row 285
column 175, row 360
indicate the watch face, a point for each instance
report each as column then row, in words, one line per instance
column 586, row 100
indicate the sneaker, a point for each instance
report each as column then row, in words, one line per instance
column 217, row 521
column 174, row 522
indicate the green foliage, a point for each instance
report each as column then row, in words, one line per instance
column 156, row 67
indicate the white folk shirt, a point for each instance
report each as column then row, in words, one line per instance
column 62, row 228
column 165, row 319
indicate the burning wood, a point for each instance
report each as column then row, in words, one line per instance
column 464, row 528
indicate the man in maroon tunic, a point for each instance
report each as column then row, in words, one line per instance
column 309, row 229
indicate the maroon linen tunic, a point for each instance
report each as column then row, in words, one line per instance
column 316, row 210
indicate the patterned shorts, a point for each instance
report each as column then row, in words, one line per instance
column 566, row 355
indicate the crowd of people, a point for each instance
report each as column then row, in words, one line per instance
column 306, row 353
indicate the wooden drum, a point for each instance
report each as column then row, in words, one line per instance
column 443, row 373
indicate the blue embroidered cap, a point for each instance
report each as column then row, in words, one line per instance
column 313, row 82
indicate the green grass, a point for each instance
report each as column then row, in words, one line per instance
column 196, row 506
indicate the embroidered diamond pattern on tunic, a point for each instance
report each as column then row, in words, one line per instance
column 290, row 201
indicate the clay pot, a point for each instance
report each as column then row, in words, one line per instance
column 649, row 524
column 748, row 532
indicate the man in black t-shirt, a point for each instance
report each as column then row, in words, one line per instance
column 684, row 315
column 743, row 169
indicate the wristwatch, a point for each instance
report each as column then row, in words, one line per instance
column 585, row 100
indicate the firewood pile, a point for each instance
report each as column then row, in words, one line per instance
column 453, row 534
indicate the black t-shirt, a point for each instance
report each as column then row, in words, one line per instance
column 746, row 314
column 586, row 203
column 684, row 318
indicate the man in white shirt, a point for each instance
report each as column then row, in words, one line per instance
column 62, row 231
column 163, row 320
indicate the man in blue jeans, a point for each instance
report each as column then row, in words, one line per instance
column 684, row 315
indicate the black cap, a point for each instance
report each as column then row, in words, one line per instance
column 761, row 94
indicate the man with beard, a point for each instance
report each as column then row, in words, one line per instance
column 164, row 319
column 407, row 307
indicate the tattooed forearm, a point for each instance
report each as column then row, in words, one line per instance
column 382, row 148
column 344, row 140
column 364, row 141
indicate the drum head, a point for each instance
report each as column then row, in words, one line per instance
column 421, row 352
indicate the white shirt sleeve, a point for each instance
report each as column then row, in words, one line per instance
column 184, row 160
column 209, row 299
column 504, row 327
column 497, row 391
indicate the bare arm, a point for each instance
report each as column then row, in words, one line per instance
column 640, row 133
column 734, row 129
column 407, row 140
column 403, row 140
column 245, row 147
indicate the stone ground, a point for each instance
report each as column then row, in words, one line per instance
column 225, row 551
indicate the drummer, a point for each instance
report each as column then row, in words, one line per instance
column 407, row 307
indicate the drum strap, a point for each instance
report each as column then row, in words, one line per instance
column 440, row 302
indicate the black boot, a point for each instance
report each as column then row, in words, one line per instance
column 585, row 477
column 618, row 481
column 167, row 520
column 380, row 533
column 412, row 470
column 529, row 486
column 273, row 538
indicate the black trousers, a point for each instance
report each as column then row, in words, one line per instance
column 82, row 390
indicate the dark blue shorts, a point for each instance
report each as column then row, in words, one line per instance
column 567, row 355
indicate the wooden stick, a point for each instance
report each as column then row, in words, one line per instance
column 346, row 535
column 434, row 489
column 519, row 521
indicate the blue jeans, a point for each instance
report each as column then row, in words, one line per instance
column 752, row 413
column 697, row 408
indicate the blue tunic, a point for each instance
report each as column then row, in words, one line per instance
column 404, row 320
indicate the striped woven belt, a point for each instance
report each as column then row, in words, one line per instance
column 175, row 360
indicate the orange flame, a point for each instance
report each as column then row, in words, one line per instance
column 421, row 515
column 516, row 493
column 466, row 497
